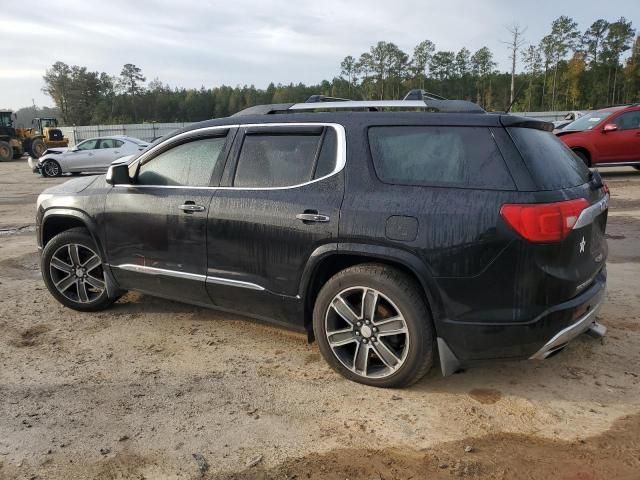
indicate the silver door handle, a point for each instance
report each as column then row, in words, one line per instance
column 190, row 207
column 312, row 217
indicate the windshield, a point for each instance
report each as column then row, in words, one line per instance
column 588, row 121
column 5, row 120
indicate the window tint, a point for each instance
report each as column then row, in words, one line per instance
column 328, row 155
column 88, row 145
column 110, row 143
column 190, row 164
column 551, row 163
column 271, row 160
column 629, row 120
column 439, row 156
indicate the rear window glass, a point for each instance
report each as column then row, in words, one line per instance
column 285, row 159
column 464, row 157
column 552, row 164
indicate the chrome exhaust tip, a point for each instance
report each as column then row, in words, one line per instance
column 597, row 330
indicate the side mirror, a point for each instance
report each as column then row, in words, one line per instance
column 118, row 175
column 610, row 127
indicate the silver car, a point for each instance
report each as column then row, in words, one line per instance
column 91, row 156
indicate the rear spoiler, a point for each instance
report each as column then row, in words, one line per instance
column 525, row 122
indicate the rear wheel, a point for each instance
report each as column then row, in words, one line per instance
column 37, row 148
column 73, row 271
column 6, row 151
column 373, row 326
column 51, row 168
column 583, row 156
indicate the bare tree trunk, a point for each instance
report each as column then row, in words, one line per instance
column 615, row 75
column 553, row 88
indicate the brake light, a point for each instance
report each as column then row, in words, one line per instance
column 543, row 222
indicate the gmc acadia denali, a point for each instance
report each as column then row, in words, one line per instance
column 391, row 232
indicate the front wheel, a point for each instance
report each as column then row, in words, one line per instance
column 51, row 168
column 373, row 326
column 73, row 271
column 37, row 148
column 6, row 151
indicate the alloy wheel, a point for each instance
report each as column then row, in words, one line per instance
column 367, row 332
column 77, row 273
column 51, row 169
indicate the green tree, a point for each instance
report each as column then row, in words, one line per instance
column 618, row 40
column 564, row 38
column 532, row 59
column 348, row 70
column 131, row 82
column 421, row 56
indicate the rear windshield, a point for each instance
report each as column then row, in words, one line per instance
column 551, row 163
column 464, row 157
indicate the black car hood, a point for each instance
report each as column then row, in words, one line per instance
column 75, row 185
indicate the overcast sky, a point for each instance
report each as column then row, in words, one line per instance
column 192, row 43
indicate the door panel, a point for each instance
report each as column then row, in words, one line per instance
column 156, row 227
column 154, row 244
column 622, row 145
column 256, row 240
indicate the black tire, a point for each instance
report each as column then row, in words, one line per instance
column 37, row 147
column 396, row 290
column 59, row 249
column 637, row 167
column 583, row 156
column 6, row 151
column 51, row 168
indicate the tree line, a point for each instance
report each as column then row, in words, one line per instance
column 565, row 70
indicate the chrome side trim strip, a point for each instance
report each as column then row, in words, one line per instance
column 589, row 214
column 349, row 104
column 563, row 336
column 160, row 271
column 189, row 276
column 234, row 283
column 632, row 163
column 341, row 159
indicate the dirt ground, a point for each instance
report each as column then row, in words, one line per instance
column 160, row 390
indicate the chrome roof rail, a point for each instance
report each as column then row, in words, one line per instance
column 436, row 106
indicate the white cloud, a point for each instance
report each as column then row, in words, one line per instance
column 193, row 42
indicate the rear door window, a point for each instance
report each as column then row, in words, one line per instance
column 283, row 159
column 465, row 157
column 551, row 163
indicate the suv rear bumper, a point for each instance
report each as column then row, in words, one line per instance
column 585, row 323
column 462, row 343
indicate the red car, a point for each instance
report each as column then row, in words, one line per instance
column 606, row 138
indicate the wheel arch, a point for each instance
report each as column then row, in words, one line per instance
column 58, row 220
column 585, row 151
column 326, row 261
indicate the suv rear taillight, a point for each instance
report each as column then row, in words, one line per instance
column 543, row 222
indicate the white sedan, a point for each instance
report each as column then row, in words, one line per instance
column 91, row 156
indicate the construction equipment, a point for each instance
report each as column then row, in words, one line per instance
column 44, row 133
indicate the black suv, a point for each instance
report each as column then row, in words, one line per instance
column 388, row 231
